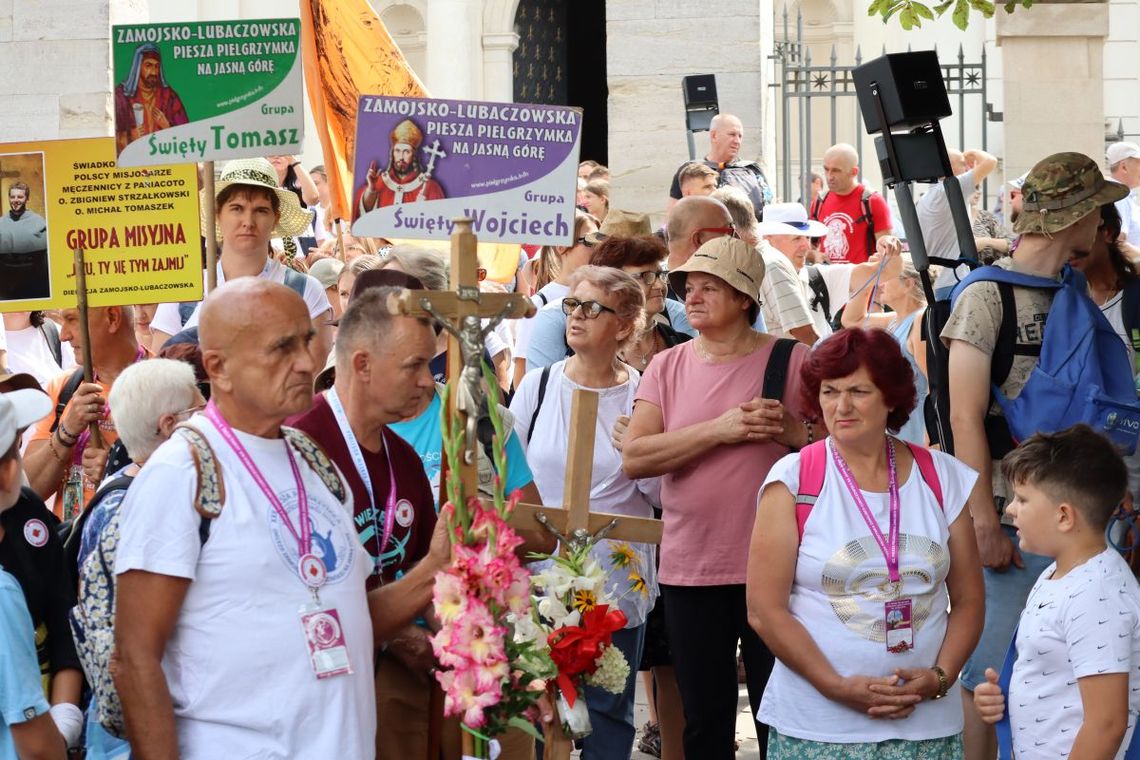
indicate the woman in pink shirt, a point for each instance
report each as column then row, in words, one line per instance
column 709, row 418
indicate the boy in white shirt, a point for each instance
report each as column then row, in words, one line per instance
column 1075, row 685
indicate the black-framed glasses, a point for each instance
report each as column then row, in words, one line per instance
column 591, row 309
column 650, row 277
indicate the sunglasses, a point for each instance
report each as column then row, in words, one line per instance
column 729, row 231
column 591, row 309
column 599, row 238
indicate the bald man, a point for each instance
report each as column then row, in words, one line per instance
column 251, row 633
column 855, row 217
column 726, row 135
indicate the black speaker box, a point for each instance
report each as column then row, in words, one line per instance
column 911, row 88
column 700, row 91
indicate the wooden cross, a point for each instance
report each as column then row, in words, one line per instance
column 574, row 520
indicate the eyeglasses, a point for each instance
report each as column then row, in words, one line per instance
column 182, row 416
column 729, row 231
column 650, row 277
column 591, row 309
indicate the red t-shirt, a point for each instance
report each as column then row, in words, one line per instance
column 415, row 508
column 846, row 222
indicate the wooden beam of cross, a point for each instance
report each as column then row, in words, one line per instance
column 574, row 519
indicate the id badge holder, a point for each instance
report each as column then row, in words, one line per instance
column 899, row 626
column 324, row 637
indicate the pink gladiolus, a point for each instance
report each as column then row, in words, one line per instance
column 449, row 597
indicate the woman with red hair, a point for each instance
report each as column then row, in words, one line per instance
column 860, row 545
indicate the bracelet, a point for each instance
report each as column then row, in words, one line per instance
column 943, row 682
column 58, row 457
column 63, row 434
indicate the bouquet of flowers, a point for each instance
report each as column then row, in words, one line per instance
column 574, row 618
column 489, row 675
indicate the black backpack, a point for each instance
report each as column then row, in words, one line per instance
column 868, row 217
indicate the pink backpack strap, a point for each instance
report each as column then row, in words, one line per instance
column 813, row 467
column 925, row 461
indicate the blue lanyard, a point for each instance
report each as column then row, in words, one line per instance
column 362, row 470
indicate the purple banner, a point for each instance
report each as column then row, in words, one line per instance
column 421, row 163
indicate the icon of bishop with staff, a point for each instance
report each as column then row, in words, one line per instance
column 404, row 180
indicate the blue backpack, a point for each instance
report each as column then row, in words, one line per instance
column 1082, row 374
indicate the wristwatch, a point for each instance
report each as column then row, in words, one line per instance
column 943, row 683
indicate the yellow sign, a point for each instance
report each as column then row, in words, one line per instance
column 138, row 228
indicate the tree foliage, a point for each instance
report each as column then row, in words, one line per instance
column 911, row 13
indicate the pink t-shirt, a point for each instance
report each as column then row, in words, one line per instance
column 709, row 506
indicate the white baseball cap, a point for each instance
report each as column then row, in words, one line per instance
column 1117, row 152
column 18, row 410
column 1017, row 182
column 789, row 219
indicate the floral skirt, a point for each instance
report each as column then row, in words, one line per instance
column 787, row 748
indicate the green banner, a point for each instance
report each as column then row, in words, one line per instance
column 209, row 90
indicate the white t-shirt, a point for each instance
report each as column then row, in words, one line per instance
column 610, row 490
column 837, row 280
column 28, row 351
column 937, row 221
column 1084, row 624
column 836, row 597
column 1129, row 218
column 781, row 296
column 237, row 664
column 167, row 319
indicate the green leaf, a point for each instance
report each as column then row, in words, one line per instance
column 943, row 7
column 923, row 11
column 525, row 725
column 1010, row 6
column 1026, row 3
column 961, row 14
column 985, row 7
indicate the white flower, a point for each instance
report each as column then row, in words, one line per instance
column 526, row 630
column 612, row 673
column 555, row 580
column 556, row 612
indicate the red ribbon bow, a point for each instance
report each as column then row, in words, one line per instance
column 575, row 649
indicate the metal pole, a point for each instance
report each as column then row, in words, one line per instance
column 805, row 162
column 966, row 246
column 961, row 99
column 692, row 144
column 834, row 97
column 211, row 227
column 985, row 126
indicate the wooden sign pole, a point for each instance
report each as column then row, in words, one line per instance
column 211, row 230
column 85, row 335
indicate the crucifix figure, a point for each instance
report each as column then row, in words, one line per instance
column 460, row 312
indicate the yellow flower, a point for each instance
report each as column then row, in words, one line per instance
column 585, row 600
column 623, row 555
column 637, row 583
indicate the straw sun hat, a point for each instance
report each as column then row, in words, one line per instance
column 258, row 172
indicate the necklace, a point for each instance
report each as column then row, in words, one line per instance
column 702, row 351
column 643, row 349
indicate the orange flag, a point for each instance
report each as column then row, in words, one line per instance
column 347, row 52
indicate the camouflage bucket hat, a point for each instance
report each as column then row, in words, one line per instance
column 1061, row 190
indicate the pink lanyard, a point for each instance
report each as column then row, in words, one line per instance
column 305, row 526
column 85, row 437
column 890, row 548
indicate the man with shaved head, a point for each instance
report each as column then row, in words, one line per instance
column 855, row 216
column 243, row 627
column 726, row 135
